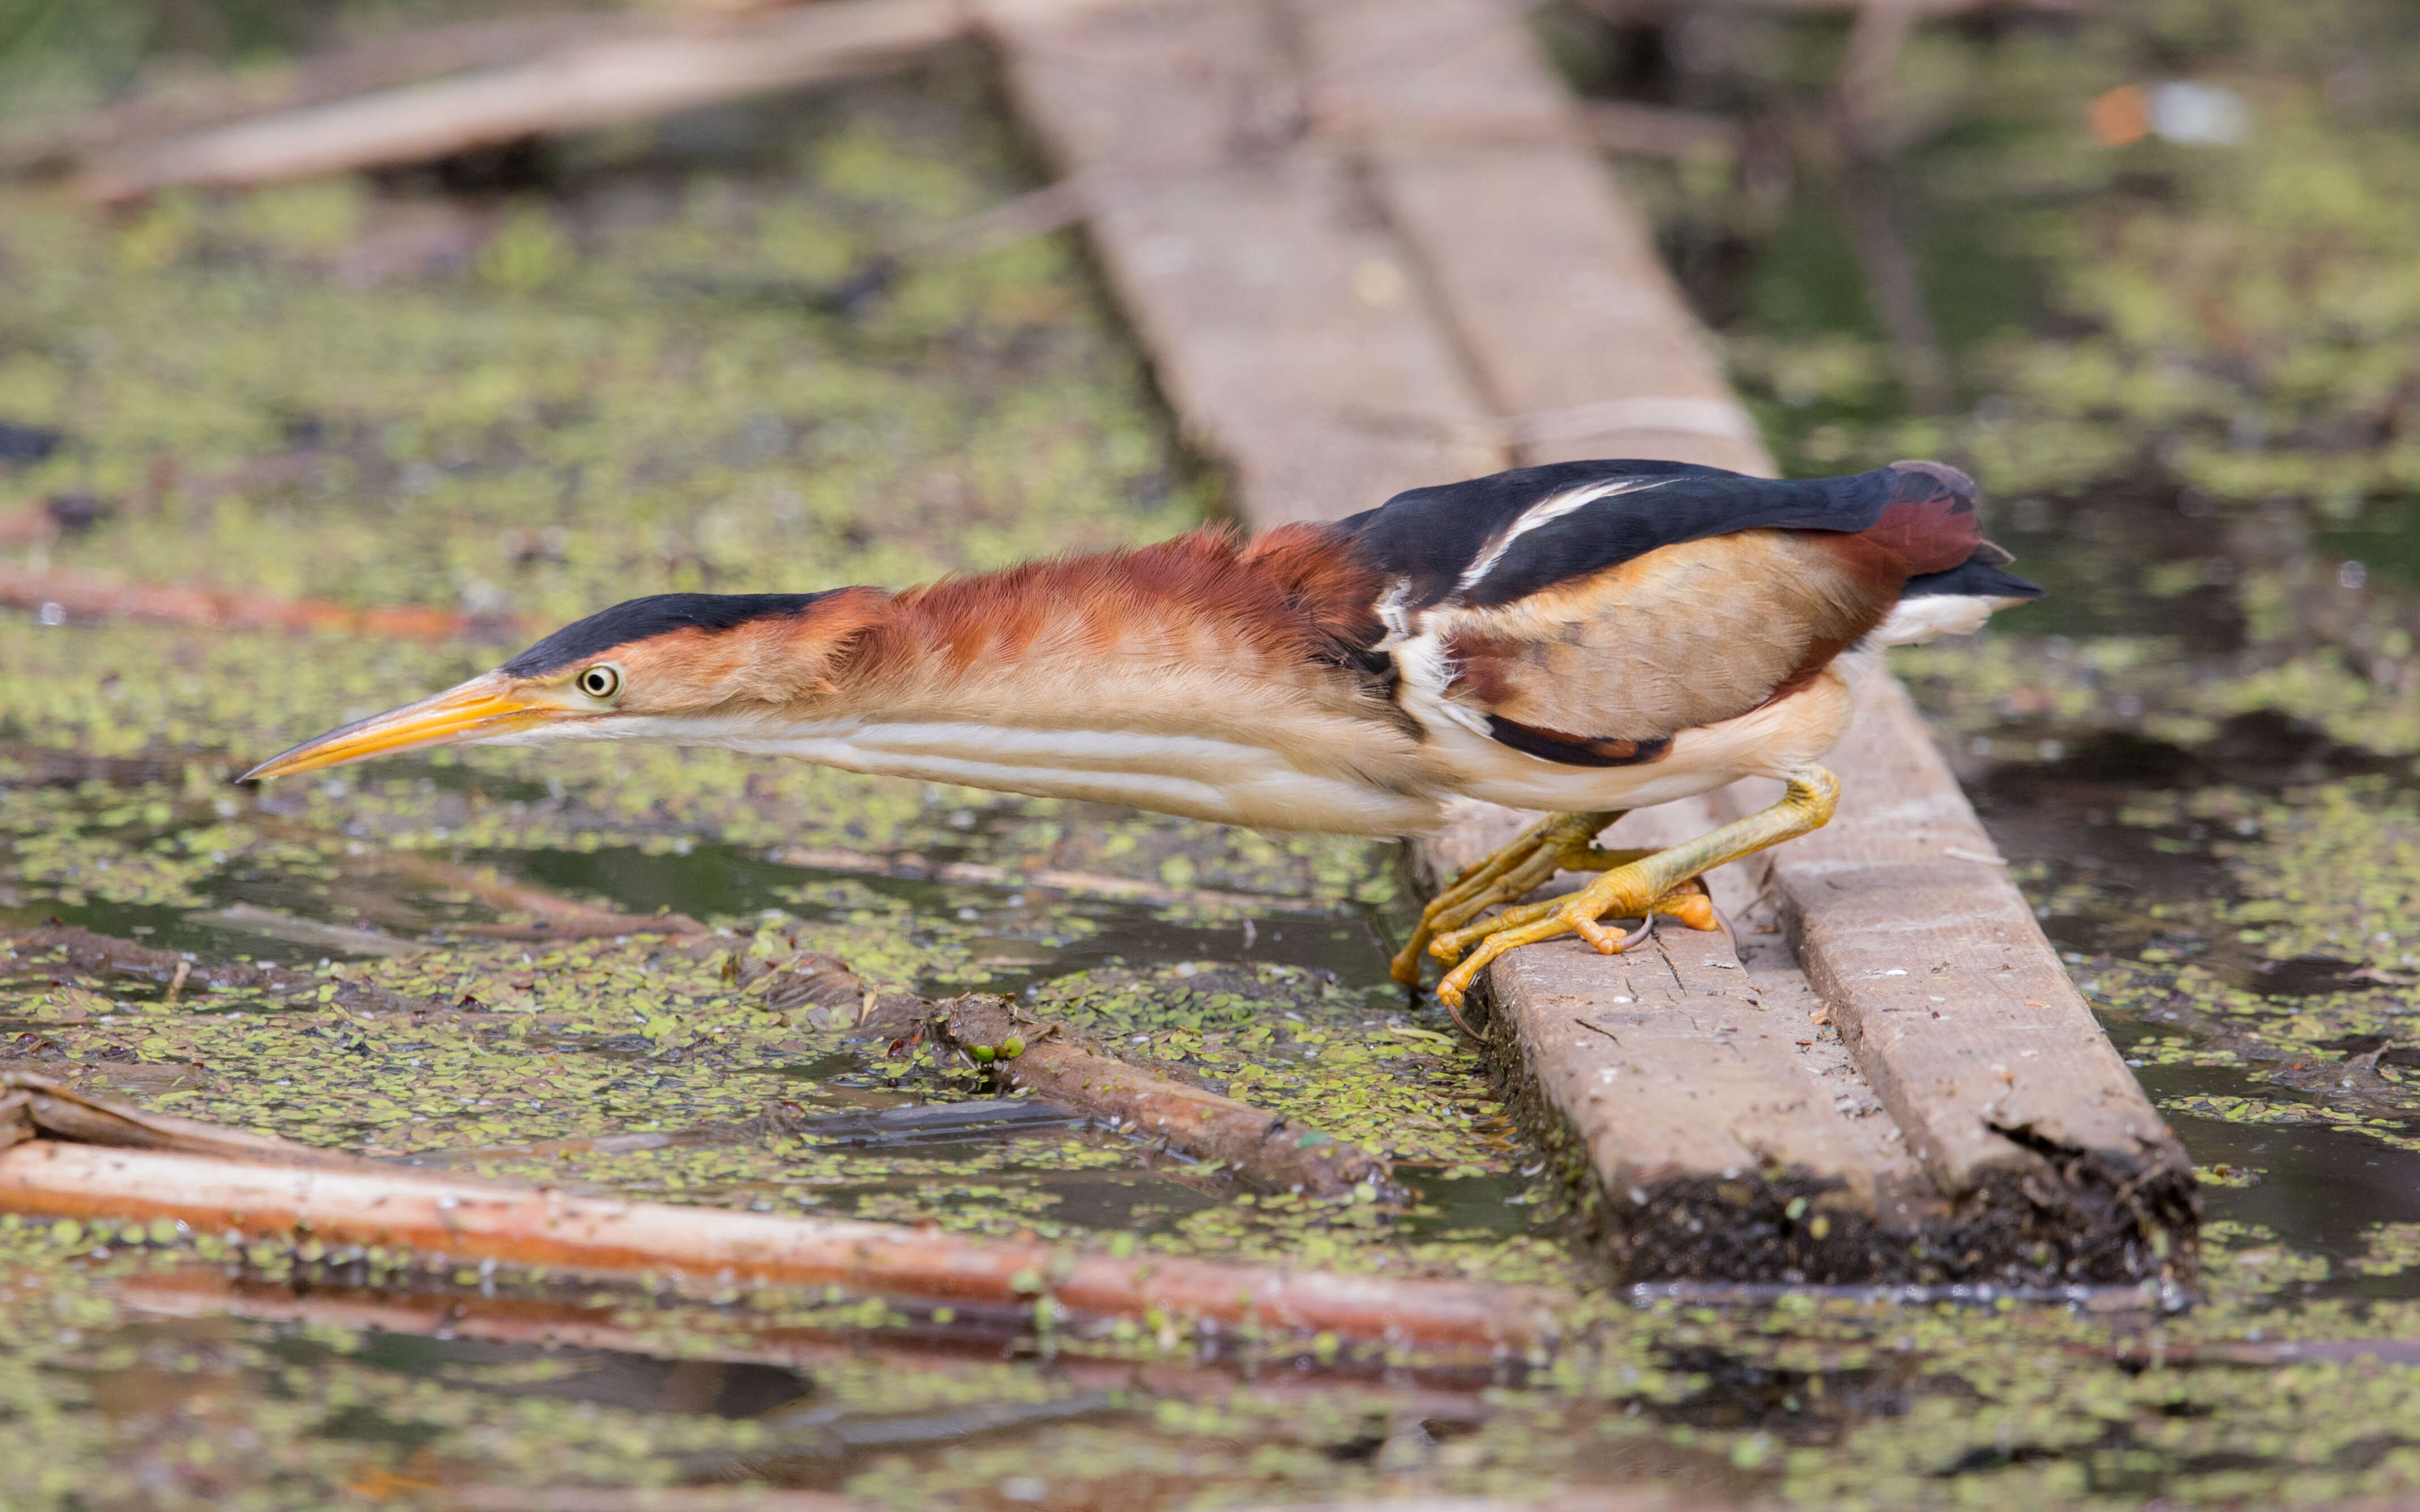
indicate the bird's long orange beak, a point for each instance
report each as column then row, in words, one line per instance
column 486, row 706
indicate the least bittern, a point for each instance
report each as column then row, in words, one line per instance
column 1586, row 637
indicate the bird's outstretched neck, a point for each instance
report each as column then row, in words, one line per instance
column 1201, row 676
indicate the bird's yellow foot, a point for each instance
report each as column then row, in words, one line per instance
column 1559, row 843
column 1626, row 891
column 1638, row 886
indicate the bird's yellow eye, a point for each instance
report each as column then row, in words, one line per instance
column 601, row 682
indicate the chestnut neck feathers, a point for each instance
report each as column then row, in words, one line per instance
column 1199, row 676
column 1199, row 632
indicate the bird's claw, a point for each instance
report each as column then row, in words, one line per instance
column 1559, row 843
column 1611, row 896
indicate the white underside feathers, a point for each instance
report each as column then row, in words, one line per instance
column 1914, row 621
column 1225, row 781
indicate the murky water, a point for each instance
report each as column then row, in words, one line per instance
column 2180, row 368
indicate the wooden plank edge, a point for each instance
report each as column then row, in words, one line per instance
column 2058, row 1166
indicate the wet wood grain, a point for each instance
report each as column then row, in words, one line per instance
column 1282, row 315
column 1545, row 275
column 1394, row 259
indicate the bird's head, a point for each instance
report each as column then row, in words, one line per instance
column 669, row 666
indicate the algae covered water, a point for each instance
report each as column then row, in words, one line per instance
column 676, row 359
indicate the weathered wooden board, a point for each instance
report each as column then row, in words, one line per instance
column 1281, row 314
column 1709, row 1141
column 1708, row 1118
column 1367, row 248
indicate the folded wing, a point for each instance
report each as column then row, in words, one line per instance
column 1587, row 613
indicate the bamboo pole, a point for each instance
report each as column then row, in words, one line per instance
column 464, row 1220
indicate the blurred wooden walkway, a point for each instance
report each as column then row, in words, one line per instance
column 1369, row 247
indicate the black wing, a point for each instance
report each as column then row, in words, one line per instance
column 1532, row 528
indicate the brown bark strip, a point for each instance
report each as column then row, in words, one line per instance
column 379, row 62
column 1263, row 1149
column 599, row 82
column 67, row 596
column 470, row 1221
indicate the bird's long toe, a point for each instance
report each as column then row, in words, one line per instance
column 1556, row 843
column 1581, row 914
column 1626, row 891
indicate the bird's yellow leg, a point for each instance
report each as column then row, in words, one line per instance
column 1559, row 843
column 1634, row 888
column 1555, row 844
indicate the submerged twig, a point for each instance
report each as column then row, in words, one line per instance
column 1265, row 1151
column 556, row 917
column 929, row 1124
column 24, row 761
column 1454, row 1391
column 33, row 1107
column 104, row 956
column 373, row 63
column 911, row 867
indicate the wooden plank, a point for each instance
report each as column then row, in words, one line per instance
column 1547, row 276
column 1704, row 1138
column 1280, row 312
column 1958, row 1011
